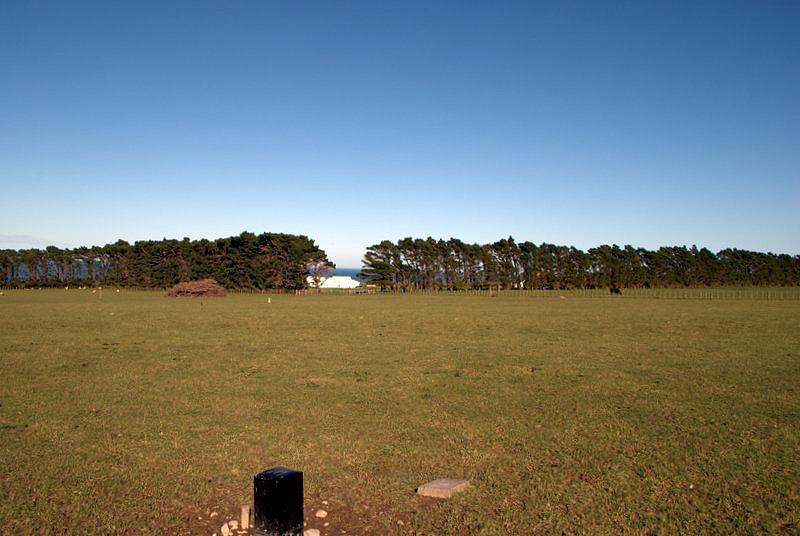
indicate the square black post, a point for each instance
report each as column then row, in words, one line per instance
column 278, row 502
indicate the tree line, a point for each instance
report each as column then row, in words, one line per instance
column 247, row 261
column 415, row 263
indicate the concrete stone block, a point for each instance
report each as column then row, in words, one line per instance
column 444, row 488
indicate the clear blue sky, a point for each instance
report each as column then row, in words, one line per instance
column 578, row 123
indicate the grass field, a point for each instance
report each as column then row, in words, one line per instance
column 137, row 413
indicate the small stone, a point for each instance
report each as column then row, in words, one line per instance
column 214, row 514
column 400, row 522
column 325, row 503
column 311, row 532
column 233, row 524
column 225, row 530
column 443, row 488
column 322, row 514
column 325, row 524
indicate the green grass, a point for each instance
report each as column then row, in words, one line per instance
column 136, row 413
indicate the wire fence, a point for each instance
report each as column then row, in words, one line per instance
column 726, row 293
column 722, row 293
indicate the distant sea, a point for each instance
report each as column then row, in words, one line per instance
column 348, row 271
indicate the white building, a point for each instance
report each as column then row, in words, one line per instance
column 335, row 281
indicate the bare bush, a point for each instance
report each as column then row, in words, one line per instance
column 204, row 288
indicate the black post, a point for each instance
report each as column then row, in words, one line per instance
column 278, row 502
